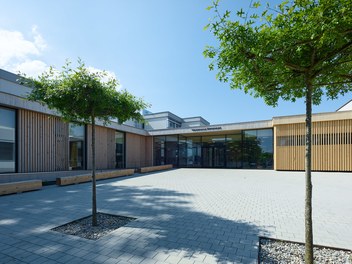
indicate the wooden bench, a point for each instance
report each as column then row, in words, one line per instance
column 62, row 181
column 155, row 168
column 21, row 186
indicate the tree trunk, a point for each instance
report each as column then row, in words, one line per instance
column 308, row 170
column 94, row 188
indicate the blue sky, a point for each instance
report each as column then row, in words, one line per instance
column 154, row 48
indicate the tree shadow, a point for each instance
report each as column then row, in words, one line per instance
column 169, row 225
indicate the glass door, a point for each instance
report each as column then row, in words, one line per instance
column 219, row 156
column 207, row 154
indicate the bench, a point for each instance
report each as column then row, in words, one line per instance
column 155, row 168
column 21, row 186
column 62, row 181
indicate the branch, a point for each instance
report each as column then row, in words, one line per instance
column 335, row 52
column 330, row 84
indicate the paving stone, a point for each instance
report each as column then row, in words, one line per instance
column 185, row 215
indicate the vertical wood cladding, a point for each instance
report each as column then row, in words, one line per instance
column 138, row 151
column 104, row 148
column 331, row 146
column 42, row 142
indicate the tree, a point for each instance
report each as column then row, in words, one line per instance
column 84, row 97
column 298, row 49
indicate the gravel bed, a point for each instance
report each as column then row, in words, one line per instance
column 83, row 227
column 275, row 251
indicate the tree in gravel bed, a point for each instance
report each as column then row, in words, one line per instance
column 83, row 96
column 297, row 49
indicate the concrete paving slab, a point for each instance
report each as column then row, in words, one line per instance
column 183, row 216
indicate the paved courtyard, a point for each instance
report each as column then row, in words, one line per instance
column 183, row 216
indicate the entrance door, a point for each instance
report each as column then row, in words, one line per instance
column 213, row 156
column 219, row 157
column 207, row 155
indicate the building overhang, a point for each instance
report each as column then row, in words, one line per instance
column 213, row 129
column 320, row 117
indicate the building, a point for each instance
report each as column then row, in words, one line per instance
column 35, row 142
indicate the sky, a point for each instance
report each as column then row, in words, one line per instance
column 153, row 47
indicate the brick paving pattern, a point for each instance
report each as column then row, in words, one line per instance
column 183, row 216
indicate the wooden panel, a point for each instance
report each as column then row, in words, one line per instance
column 155, row 168
column 138, row 151
column 331, row 146
column 42, row 142
column 104, row 148
column 62, row 181
column 18, row 187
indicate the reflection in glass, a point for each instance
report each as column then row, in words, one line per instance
column 258, row 149
column 120, row 149
column 194, row 155
column 251, row 149
column 159, row 150
column 213, row 151
column 171, row 150
column 77, row 146
column 234, row 151
column 7, row 140
column 182, row 150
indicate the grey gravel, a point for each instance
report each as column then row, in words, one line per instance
column 275, row 251
column 83, row 227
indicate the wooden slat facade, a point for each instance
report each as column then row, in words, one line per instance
column 331, row 146
column 42, row 142
column 139, row 151
column 105, row 151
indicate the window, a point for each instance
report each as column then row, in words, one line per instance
column 159, row 150
column 7, row 140
column 171, row 150
column 174, row 124
column 77, row 147
column 120, row 149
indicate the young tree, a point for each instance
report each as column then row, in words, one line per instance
column 298, row 49
column 83, row 96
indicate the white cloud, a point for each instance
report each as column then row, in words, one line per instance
column 38, row 39
column 31, row 67
column 19, row 54
column 109, row 75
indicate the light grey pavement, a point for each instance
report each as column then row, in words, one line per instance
column 183, row 216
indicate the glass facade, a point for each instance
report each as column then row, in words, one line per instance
column 7, row 140
column 77, row 149
column 120, row 149
column 194, row 152
column 248, row 149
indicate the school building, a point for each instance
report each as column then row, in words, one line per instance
column 35, row 143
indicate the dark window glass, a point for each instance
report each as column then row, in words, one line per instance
column 213, row 151
column 258, row 149
column 182, row 151
column 159, row 150
column 120, row 149
column 7, row 152
column 251, row 149
column 77, row 146
column 171, row 150
column 7, row 140
column 265, row 138
column 194, row 154
column 234, row 151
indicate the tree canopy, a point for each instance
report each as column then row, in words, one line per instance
column 271, row 52
column 78, row 94
column 84, row 96
column 298, row 49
